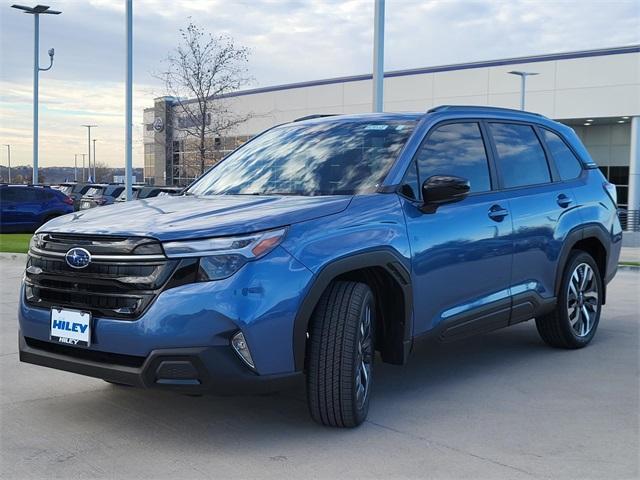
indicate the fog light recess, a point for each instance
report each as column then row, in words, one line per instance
column 239, row 344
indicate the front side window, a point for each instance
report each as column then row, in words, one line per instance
column 568, row 165
column 325, row 158
column 456, row 149
column 521, row 160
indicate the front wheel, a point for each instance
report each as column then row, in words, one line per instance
column 340, row 355
column 575, row 319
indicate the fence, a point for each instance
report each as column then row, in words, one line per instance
column 630, row 220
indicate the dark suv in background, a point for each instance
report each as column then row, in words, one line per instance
column 320, row 242
column 98, row 195
column 25, row 208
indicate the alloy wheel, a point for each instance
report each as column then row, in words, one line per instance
column 582, row 300
column 365, row 357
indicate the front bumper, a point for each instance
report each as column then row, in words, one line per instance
column 186, row 370
column 193, row 323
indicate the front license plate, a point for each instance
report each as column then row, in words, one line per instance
column 85, row 205
column 72, row 327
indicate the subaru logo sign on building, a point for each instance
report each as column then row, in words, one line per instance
column 78, row 258
column 158, row 124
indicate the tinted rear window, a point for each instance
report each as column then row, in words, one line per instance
column 114, row 191
column 93, row 191
column 521, row 160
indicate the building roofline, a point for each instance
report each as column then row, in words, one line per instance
column 444, row 68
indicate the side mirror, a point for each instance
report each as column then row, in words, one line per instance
column 440, row 189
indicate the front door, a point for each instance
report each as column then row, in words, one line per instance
column 461, row 253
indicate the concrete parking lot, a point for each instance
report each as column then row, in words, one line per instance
column 499, row 406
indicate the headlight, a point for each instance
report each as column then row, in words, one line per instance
column 221, row 257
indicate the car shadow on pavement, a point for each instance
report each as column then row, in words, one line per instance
column 433, row 369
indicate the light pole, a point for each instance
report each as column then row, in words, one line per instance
column 36, row 12
column 84, row 172
column 523, row 83
column 94, row 160
column 8, row 159
column 129, row 103
column 75, row 167
column 378, row 56
column 89, row 145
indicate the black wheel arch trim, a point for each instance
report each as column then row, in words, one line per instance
column 387, row 258
column 582, row 232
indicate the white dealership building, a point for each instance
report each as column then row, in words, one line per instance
column 597, row 92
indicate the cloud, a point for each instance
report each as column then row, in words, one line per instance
column 290, row 41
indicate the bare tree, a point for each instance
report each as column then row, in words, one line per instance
column 104, row 173
column 200, row 72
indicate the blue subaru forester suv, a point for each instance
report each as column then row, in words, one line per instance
column 322, row 241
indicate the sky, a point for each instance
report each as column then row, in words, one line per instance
column 289, row 41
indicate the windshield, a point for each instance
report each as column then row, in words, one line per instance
column 327, row 158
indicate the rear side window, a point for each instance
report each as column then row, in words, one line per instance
column 568, row 165
column 456, row 149
column 521, row 159
column 19, row 194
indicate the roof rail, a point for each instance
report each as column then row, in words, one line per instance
column 442, row 108
column 316, row 115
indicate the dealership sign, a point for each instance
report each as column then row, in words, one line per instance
column 158, row 125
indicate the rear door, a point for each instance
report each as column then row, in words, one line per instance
column 538, row 205
column 461, row 253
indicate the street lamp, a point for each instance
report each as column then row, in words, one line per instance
column 84, row 172
column 523, row 80
column 8, row 159
column 378, row 56
column 94, row 160
column 89, row 145
column 75, row 167
column 128, row 133
column 36, row 12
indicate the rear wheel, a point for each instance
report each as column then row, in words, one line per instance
column 575, row 319
column 340, row 355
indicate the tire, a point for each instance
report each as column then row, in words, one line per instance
column 340, row 355
column 574, row 321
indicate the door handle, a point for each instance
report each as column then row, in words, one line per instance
column 498, row 213
column 563, row 200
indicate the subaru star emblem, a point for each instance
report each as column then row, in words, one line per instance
column 78, row 258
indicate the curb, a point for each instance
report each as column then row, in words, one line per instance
column 21, row 257
column 629, row 268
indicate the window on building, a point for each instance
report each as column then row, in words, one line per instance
column 567, row 163
column 456, row 149
column 521, row 160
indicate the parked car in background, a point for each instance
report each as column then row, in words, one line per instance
column 323, row 241
column 99, row 195
column 74, row 190
column 135, row 190
column 142, row 192
column 25, row 207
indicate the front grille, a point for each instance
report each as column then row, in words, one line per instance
column 123, row 281
column 85, row 354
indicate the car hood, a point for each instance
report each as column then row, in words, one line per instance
column 184, row 217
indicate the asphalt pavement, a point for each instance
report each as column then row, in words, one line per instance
column 503, row 405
